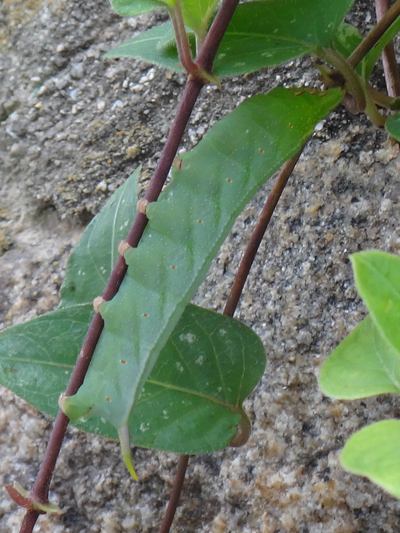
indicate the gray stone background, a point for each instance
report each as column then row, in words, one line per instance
column 73, row 128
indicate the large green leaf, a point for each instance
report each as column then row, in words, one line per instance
column 92, row 260
column 260, row 34
column 192, row 400
column 263, row 34
column 377, row 276
column 364, row 364
column 186, row 228
column 374, row 452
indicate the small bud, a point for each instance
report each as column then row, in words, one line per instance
column 97, row 303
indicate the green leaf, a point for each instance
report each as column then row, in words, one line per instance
column 186, row 227
column 92, row 260
column 373, row 55
column 346, row 39
column 192, row 400
column 260, row 34
column 263, row 34
column 364, row 364
column 374, row 452
column 131, row 8
column 197, row 15
column 151, row 46
column 392, row 126
column 377, row 276
column 36, row 358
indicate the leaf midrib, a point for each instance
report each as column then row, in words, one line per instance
column 231, row 407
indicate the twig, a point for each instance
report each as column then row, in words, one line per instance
column 390, row 67
column 258, row 233
column 175, row 494
column 192, row 90
column 375, row 34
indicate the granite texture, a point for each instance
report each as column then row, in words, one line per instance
column 73, row 128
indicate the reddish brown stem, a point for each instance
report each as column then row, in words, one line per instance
column 192, row 90
column 258, row 234
column 175, row 494
column 390, row 67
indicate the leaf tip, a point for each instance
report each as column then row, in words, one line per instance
column 123, row 434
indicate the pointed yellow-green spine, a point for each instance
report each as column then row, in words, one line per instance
column 123, row 434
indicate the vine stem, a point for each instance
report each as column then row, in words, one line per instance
column 175, row 494
column 390, row 68
column 231, row 305
column 192, row 90
column 375, row 34
column 258, row 233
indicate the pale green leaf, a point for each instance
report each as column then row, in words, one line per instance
column 374, row 452
column 377, row 277
column 364, row 364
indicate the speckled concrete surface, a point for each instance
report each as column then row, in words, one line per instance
column 73, row 128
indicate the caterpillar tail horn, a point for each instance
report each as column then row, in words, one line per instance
column 123, row 434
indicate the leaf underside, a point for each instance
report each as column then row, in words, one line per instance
column 186, row 228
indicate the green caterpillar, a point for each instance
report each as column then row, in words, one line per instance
column 186, row 227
